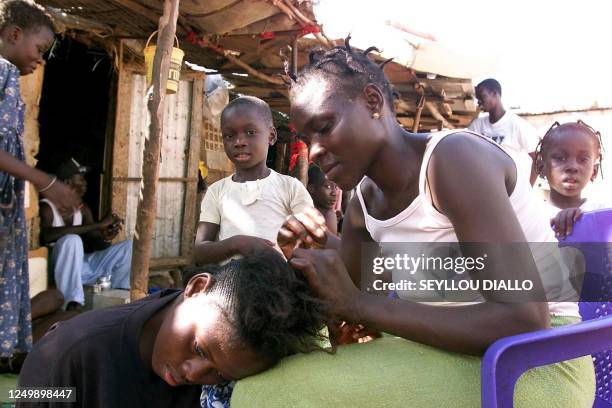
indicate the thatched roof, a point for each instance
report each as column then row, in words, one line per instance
column 231, row 36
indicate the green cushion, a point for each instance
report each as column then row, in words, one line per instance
column 394, row 372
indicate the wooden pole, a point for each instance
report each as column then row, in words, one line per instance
column 437, row 115
column 417, row 116
column 279, row 162
column 147, row 204
column 419, row 110
column 294, row 56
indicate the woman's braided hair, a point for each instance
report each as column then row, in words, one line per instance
column 345, row 68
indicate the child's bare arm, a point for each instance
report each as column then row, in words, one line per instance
column 331, row 220
column 208, row 250
column 62, row 196
column 563, row 222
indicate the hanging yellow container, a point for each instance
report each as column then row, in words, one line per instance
column 176, row 61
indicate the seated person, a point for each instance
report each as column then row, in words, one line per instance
column 158, row 351
column 46, row 311
column 323, row 193
column 71, row 236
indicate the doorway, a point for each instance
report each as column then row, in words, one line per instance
column 74, row 113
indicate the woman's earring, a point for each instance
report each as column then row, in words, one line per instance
column 376, row 115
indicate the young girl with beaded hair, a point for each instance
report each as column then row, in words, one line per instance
column 569, row 157
column 452, row 186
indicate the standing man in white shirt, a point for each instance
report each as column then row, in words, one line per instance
column 505, row 128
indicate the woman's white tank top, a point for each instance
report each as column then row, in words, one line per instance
column 422, row 222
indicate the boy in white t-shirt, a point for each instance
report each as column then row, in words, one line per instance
column 242, row 213
column 505, row 128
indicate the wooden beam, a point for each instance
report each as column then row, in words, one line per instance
column 121, row 143
column 417, row 118
column 294, row 14
column 147, row 204
column 167, row 263
column 419, row 109
column 252, row 71
column 436, row 114
column 458, row 107
column 191, row 212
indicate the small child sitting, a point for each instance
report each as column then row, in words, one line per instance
column 569, row 156
column 323, row 193
column 156, row 352
column 242, row 213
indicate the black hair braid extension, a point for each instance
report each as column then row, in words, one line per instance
column 347, row 44
column 347, row 69
column 370, row 49
column 385, row 62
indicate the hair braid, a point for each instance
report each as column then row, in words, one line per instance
column 346, row 69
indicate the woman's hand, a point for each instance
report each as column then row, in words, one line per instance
column 330, row 281
column 303, row 230
column 344, row 333
column 64, row 198
column 563, row 222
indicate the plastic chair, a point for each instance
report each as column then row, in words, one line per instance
column 507, row 359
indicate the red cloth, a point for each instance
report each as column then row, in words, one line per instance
column 298, row 149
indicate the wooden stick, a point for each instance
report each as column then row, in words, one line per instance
column 253, row 71
column 297, row 13
column 417, row 117
column 420, row 104
column 298, row 17
column 294, row 56
column 147, row 204
column 303, row 20
column 228, row 54
column 436, row 114
column 279, row 162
